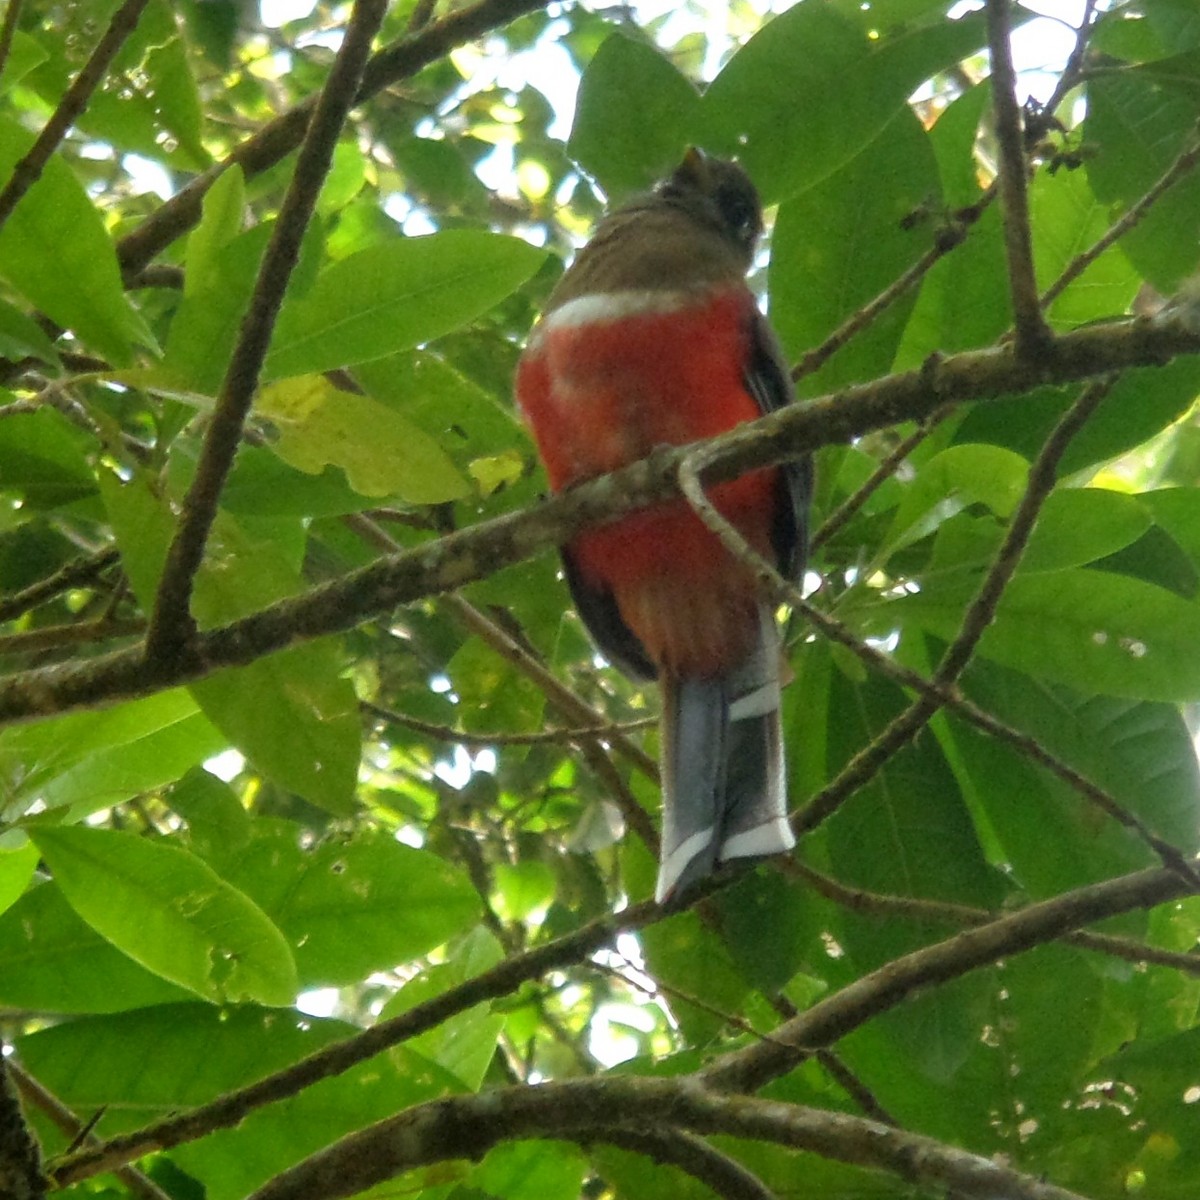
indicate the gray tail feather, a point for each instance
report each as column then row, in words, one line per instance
column 724, row 794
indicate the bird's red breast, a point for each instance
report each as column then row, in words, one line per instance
column 606, row 378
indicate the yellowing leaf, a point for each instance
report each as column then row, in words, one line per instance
column 382, row 453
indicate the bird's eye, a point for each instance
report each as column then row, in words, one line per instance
column 740, row 214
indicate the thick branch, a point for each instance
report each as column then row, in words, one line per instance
column 582, row 1110
column 21, row 1175
column 1032, row 335
column 474, row 553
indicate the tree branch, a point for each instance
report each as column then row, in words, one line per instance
column 140, row 1185
column 473, row 553
column 468, row 1126
column 828, row 1020
column 21, row 1176
column 1032, row 335
column 171, row 624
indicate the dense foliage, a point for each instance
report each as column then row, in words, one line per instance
column 296, row 717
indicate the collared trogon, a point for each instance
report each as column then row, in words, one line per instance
column 652, row 337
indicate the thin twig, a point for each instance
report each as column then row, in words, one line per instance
column 855, row 1088
column 887, row 467
column 946, row 912
column 171, row 624
column 25, row 174
column 1185, row 162
column 448, row 733
column 951, row 235
column 1038, row 124
column 76, row 573
column 55, row 637
column 1032, row 336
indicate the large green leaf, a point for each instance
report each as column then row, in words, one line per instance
column 635, row 115
column 1089, row 629
column 841, row 242
column 92, row 760
column 395, row 295
column 55, row 250
column 141, row 1065
column 464, row 1044
column 1136, row 128
column 292, row 713
column 51, row 960
column 170, row 912
column 349, row 907
column 1066, row 220
column 1142, row 402
column 842, row 89
column 44, row 459
column 381, row 451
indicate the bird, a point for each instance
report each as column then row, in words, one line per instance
column 653, row 337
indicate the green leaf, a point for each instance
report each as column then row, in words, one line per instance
column 952, row 480
column 532, row 1171
column 963, row 301
column 17, row 865
column 634, row 117
column 1075, row 526
column 1141, row 403
column 43, row 457
column 176, row 1056
column 55, row 250
column 1137, row 128
column 205, row 325
column 349, row 907
column 691, row 961
column 223, row 213
column 880, row 840
column 51, row 961
column 20, row 335
column 842, row 89
column 171, row 913
column 1066, row 220
column 464, row 1044
column 93, row 760
column 524, row 889
column 25, row 53
column 840, row 243
column 295, row 717
column 393, row 296
column 291, row 713
column 1088, row 629
column 382, row 453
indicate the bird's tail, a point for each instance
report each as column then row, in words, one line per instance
column 724, row 794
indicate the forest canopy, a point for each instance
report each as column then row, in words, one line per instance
column 327, row 841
